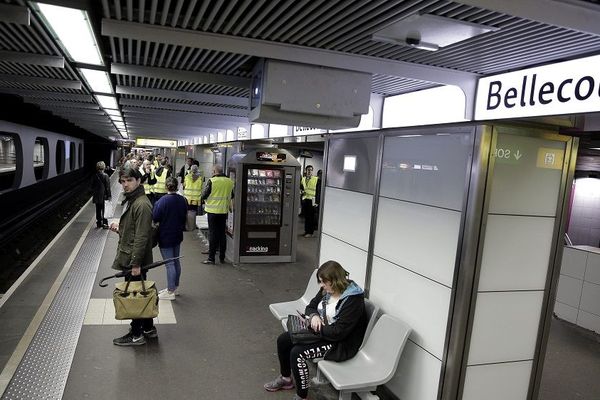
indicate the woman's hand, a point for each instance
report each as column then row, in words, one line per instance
column 316, row 323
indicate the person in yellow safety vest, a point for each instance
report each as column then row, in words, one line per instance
column 148, row 179
column 217, row 197
column 308, row 189
column 161, row 174
column 192, row 187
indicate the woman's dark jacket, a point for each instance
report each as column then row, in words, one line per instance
column 348, row 330
column 171, row 211
column 100, row 187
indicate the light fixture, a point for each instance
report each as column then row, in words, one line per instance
column 73, row 30
column 429, row 32
column 113, row 112
column 116, row 118
column 107, row 101
column 99, row 81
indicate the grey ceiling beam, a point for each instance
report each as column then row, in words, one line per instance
column 165, row 105
column 65, row 104
column 179, row 115
column 181, row 95
column 131, row 123
column 14, row 14
column 180, row 75
column 32, row 59
column 582, row 17
column 29, row 93
column 294, row 53
column 82, row 111
column 36, row 80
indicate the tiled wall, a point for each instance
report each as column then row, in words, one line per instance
column 584, row 223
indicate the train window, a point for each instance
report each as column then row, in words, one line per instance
column 80, row 154
column 72, row 156
column 11, row 161
column 40, row 153
column 60, row 157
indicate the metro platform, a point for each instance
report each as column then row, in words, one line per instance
column 216, row 340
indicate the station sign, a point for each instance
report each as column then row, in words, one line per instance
column 155, row 142
column 307, row 130
column 568, row 87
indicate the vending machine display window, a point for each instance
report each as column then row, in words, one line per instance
column 263, row 197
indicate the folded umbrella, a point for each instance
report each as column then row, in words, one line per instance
column 127, row 271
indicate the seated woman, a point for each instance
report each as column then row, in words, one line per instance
column 337, row 314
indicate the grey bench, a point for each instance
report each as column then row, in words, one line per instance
column 374, row 364
column 283, row 309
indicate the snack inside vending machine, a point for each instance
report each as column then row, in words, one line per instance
column 262, row 224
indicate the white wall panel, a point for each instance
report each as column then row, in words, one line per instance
column 354, row 260
column 573, row 262
column 505, row 326
column 417, row 237
column 565, row 312
column 569, row 291
column 347, row 216
column 588, row 321
column 420, row 302
column 417, row 376
column 507, row 381
column 592, row 269
column 516, row 253
column 590, row 298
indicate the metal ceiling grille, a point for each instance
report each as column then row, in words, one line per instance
column 339, row 26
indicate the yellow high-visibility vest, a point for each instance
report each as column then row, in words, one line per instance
column 161, row 182
column 193, row 189
column 220, row 195
column 148, row 188
column 310, row 187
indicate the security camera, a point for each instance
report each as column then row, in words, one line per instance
column 413, row 41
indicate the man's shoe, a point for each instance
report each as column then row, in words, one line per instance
column 130, row 340
column 151, row 334
column 212, row 262
column 222, row 261
column 308, row 235
column 168, row 295
column 204, row 252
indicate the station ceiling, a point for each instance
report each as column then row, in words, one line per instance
column 182, row 65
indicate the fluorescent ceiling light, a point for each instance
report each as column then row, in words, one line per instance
column 116, row 118
column 113, row 112
column 107, row 101
column 72, row 28
column 99, row 81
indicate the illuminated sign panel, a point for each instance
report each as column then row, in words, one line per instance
column 564, row 88
column 155, row 142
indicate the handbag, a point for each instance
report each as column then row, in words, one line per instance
column 135, row 300
column 300, row 332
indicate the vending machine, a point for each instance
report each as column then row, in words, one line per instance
column 262, row 224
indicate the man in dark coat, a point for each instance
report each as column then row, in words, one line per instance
column 100, row 193
column 135, row 246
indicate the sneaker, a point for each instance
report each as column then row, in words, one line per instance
column 166, row 295
column 280, row 383
column 308, row 235
column 151, row 334
column 167, row 290
column 208, row 262
column 130, row 340
column 222, row 261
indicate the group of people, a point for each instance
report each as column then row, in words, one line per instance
column 144, row 204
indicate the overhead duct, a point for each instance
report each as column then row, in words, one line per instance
column 307, row 95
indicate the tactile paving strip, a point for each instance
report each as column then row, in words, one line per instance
column 44, row 369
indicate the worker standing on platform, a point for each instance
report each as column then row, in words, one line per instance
column 217, row 197
column 192, row 189
column 148, row 180
column 100, row 193
column 308, row 189
column 161, row 174
column 135, row 246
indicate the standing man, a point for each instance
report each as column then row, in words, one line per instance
column 308, row 189
column 185, row 169
column 100, row 193
column 217, row 197
column 135, row 246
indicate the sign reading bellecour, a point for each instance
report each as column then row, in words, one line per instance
column 564, row 88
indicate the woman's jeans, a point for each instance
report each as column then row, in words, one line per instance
column 173, row 267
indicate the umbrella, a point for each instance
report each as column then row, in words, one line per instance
column 128, row 270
